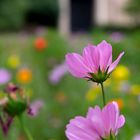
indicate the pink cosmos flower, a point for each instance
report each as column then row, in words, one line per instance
column 95, row 63
column 97, row 125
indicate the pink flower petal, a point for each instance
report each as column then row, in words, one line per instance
column 121, row 121
column 105, row 50
column 92, row 58
column 115, row 63
column 110, row 115
column 80, row 129
column 76, row 65
column 95, row 116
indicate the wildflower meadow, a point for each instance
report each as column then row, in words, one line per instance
column 85, row 87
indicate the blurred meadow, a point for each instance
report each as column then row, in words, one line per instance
column 32, row 55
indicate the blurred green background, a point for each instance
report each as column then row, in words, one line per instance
column 21, row 40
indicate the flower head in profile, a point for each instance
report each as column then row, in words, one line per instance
column 97, row 125
column 95, row 64
column 13, row 104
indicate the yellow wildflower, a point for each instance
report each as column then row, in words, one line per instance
column 121, row 73
column 13, row 61
column 135, row 89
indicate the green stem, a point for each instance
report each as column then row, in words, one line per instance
column 26, row 131
column 103, row 93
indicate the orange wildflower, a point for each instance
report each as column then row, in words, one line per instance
column 40, row 44
column 24, row 75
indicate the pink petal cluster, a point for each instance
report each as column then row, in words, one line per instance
column 92, row 59
column 97, row 125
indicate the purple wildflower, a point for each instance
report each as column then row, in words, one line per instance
column 35, row 107
column 136, row 137
column 57, row 73
column 117, row 36
column 5, row 76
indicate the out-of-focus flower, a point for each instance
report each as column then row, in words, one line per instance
column 121, row 73
column 13, row 61
column 5, row 76
column 20, row 97
column 136, row 137
column 61, row 97
column 135, row 89
column 57, row 73
column 119, row 102
column 95, row 64
column 24, row 75
column 97, row 125
column 11, row 88
column 92, row 93
column 116, row 36
column 122, row 87
column 16, row 104
column 35, row 107
column 40, row 44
